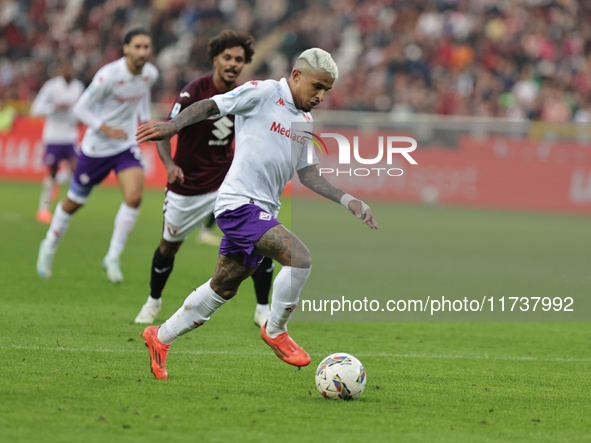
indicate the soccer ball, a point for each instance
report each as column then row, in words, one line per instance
column 341, row 376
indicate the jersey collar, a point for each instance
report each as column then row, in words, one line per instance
column 286, row 92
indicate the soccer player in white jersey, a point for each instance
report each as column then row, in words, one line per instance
column 60, row 131
column 248, row 201
column 201, row 160
column 117, row 99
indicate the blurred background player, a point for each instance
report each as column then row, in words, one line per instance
column 206, row 235
column 116, row 100
column 248, row 203
column 60, row 132
column 202, row 158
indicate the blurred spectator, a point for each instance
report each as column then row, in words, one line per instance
column 516, row 59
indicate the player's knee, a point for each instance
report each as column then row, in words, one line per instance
column 133, row 200
column 168, row 250
column 70, row 206
column 226, row 290
column 301, row 258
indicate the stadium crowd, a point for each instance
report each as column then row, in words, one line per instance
column 524, row 59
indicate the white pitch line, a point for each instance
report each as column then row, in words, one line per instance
column 359, row 354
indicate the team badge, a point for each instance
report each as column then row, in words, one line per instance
column 172, row 230
column 264, row 216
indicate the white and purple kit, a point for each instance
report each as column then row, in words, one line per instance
column 60, row 131
column 268, row 152
column 120, row 100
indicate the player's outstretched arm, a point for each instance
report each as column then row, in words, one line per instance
column 173, row 171
column 162, row 130
column 311, row 178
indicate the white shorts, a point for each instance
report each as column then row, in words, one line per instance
column 182, row 214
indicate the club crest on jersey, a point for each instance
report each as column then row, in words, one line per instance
column 172, row 230
column 264, row 216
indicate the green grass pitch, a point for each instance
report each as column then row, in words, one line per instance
column 74, row 367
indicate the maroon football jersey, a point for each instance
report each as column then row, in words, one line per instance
column 204, row 150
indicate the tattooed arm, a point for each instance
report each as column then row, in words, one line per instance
column 311, row 178
column 162, row 130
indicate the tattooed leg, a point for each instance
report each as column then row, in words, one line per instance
column 229, row 273
column 284, row 247
column 204, row 301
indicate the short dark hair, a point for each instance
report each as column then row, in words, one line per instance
column 230, row 39
column 129, row 35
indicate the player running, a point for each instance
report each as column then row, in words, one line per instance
column 60, row 131
column 116, row 100
column 202, row 158
column 248, row 201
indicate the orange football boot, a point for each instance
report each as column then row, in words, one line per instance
column 285, row 348
column 158, row 351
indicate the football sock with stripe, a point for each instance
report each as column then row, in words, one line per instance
column 57, row 228
column 263, row 278
column 161, row 269
column 124, row 223
column 195, row 311
column 286, row 293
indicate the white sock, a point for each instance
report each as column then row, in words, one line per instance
column 153, row 301
column 196, row 310
column 124, row 223
column 46, row 188
column 286, row 293
column 63, row 175
column 261, row 308
column 57, row 228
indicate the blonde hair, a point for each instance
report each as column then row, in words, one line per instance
column 319, row 60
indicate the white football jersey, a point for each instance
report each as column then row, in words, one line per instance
column 61, row 127
column 118, row 99
column 268, row 149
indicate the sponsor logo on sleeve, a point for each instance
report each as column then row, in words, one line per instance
column 175, row 110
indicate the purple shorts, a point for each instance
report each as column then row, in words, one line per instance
column 242, row 227
column 55, row 153
column 90, row 171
